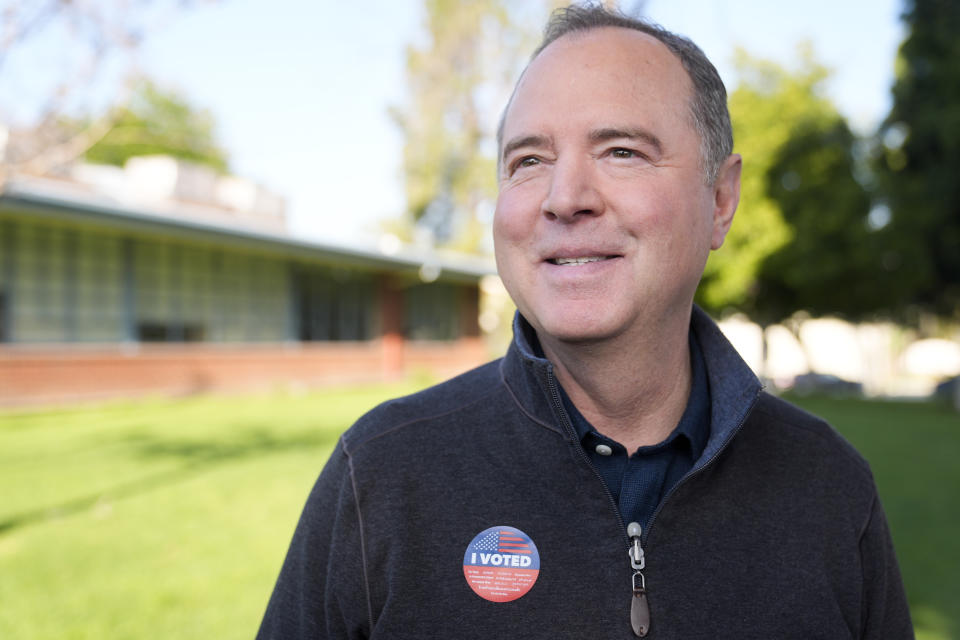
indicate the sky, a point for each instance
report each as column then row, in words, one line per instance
column 300, row 89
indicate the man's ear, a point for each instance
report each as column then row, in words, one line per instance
column 726, row 196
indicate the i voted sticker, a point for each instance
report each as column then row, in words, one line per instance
column 501, row 564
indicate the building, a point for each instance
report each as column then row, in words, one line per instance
column 105, row 295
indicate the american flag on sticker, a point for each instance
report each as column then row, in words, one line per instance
column 501, row 541
column 512, row 543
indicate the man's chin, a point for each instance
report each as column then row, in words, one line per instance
column 584, row 332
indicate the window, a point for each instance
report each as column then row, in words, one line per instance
column 334, row 304
column 159, row 332
column 432, row 311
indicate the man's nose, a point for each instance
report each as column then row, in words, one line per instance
column 573, row 191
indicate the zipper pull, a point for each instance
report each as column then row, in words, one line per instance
column 639, row 609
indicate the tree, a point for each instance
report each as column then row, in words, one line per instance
column 156, row 121
column 447, row 170
column 84, row 49
column 768, row 108
column 919, row 160
column 830, row 264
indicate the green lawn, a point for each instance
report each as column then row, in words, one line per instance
column 169, row 518
column 160, row 519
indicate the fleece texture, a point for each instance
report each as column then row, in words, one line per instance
column 775, row 533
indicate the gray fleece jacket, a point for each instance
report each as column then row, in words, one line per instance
column 776, row 532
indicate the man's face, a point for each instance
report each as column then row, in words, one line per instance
column 604, row 220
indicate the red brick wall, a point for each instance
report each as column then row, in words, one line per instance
column 35, row 375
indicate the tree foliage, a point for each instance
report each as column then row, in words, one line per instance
column 919, row 160
column 445, row 168
column 830, row 264
column 158, row 121
column 767, row 107
column 802, row 238
column 84, row 50
column 459, row 77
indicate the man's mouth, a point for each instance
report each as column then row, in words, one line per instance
column 583, row 260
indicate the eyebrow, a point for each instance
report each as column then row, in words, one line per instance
column 597, row 135
column 613, row 133
column 524, row 141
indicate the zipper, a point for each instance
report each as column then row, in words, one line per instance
column 639, row 609
column 636, row 537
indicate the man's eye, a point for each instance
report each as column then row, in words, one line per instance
column 622, row 153
column 523, row 163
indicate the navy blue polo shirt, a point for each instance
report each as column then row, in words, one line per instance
column 639, row 482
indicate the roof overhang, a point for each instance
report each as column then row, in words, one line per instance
column 98, row 209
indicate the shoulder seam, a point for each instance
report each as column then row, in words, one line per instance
column 363, row 546
column 870, row 514
column 424, row 418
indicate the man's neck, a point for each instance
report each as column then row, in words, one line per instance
column 633, row 390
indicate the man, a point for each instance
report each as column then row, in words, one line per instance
column 620, row 472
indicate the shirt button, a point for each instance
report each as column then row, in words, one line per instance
column 603, row 450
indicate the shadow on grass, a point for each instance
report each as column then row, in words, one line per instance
column 196, row 456
column 243, row 442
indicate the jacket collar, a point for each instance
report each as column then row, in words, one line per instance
column 734, row 388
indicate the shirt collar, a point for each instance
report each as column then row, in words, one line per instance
column 694, row 424
column 734, row 389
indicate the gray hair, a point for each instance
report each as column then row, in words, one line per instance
column 708, row 105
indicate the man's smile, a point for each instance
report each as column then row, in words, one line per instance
column 577, row 261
